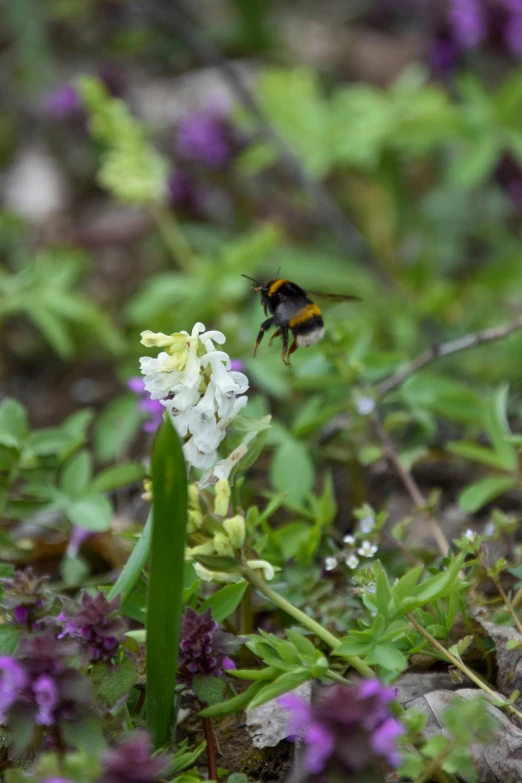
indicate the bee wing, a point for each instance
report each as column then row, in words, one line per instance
column 335, row 297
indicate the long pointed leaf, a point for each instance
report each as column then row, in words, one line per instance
column 169, row 486
column 126, row 581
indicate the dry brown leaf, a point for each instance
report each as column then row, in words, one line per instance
column 509, row 662
column 410, row 685
column 498, row 762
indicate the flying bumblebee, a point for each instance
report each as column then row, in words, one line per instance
column 292, row 309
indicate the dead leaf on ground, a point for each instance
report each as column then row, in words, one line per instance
column 509, row 662
column 498, row 762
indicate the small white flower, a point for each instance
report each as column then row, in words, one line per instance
column 350, row 540
column 352, row 561
column 367, row 549
column 470, row 534
column 366, row 525
column 364, row 405
column 268, row 569
column 490, row 529
column 197, row 458
column 330, row 563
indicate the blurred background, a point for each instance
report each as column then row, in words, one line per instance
column 152, row 152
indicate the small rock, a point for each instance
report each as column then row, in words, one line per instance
column 268, row 724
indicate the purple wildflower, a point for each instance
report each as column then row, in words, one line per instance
column 468, row 22
column 513, row 28
column 153, row 408
column 184, row 193
column 40, row 686
column 95, row 625
column 206, row 137
column 25, row 597
column 237, row 365
column 63, row 102
column 347, row 727
column 12, row 680
column 78, row 537
column 130, row 761
column 203, row 648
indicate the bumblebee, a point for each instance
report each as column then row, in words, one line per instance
column 292, row 310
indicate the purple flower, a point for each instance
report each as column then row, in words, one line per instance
column 237, row 365
column 26, row 598
column 347, row 727
column 203, row 648
column 467, row 22
column 12, row 680
column 41, row 687
column 94, row 623
column 153, row 408
column 513, row 32
column 184, row 193
column 78, row 536
column 130, row 761
column 206, row 137
column 63, row 102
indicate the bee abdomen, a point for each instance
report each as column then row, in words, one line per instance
column 307, row 325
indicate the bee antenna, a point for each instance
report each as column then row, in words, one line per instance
column 277, row 273
column 252, row 279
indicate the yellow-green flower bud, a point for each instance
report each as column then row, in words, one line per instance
column 222, row 498
column 222, row 545
column 235, row 527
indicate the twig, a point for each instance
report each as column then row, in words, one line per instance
column 447, row 349
column 463, row 668
column 211, row 751
column 507, row 602
column 411, row 485
column 174, row 15
column 426, row 357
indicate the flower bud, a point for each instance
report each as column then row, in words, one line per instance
column 235, row 527
column 222, row 497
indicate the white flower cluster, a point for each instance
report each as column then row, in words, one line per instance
column 365, row 549
column 193, row 380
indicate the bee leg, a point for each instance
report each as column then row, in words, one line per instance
column 284, row 352
column 293, row 348
column 264, row 327
column 276, row 334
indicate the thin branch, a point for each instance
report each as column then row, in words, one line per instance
column 428, row 356
column 211, row 751
column 446, row 349
column 411, row 486
column 174, row 15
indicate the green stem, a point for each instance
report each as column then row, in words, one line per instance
column 463, row 668
column 509, row 605
column 173, row 236
column 246, row 612
column 332, row 641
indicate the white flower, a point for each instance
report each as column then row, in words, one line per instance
column 197, row 458
column 235, row 528
column 364, row 405
column 366, row 525
column 352, row 561
column 268, row 569
column 367, row 549
column 350, row 540
column 490, row 529
column 215, row 576
column 330, row 563
column 200, row 393
column 470, row 534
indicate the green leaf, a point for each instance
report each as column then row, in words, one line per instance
column 473, row 165
column 225, row 601
column 76, row 475
column 169, row 477
column 13, row 423
column 389, row 657
column 292, row 470
column 232, row 705
column 301, row 643
column 111, row 682
column 116, row 427
column 93, row 512
column 497, row 427
column 117, row 476
column 209, row 690
column 477, row 453
column 84, row 733
column 134, row 565
column 73, row 570
column 284, row 683
column 8, row 639
column 483, row 491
